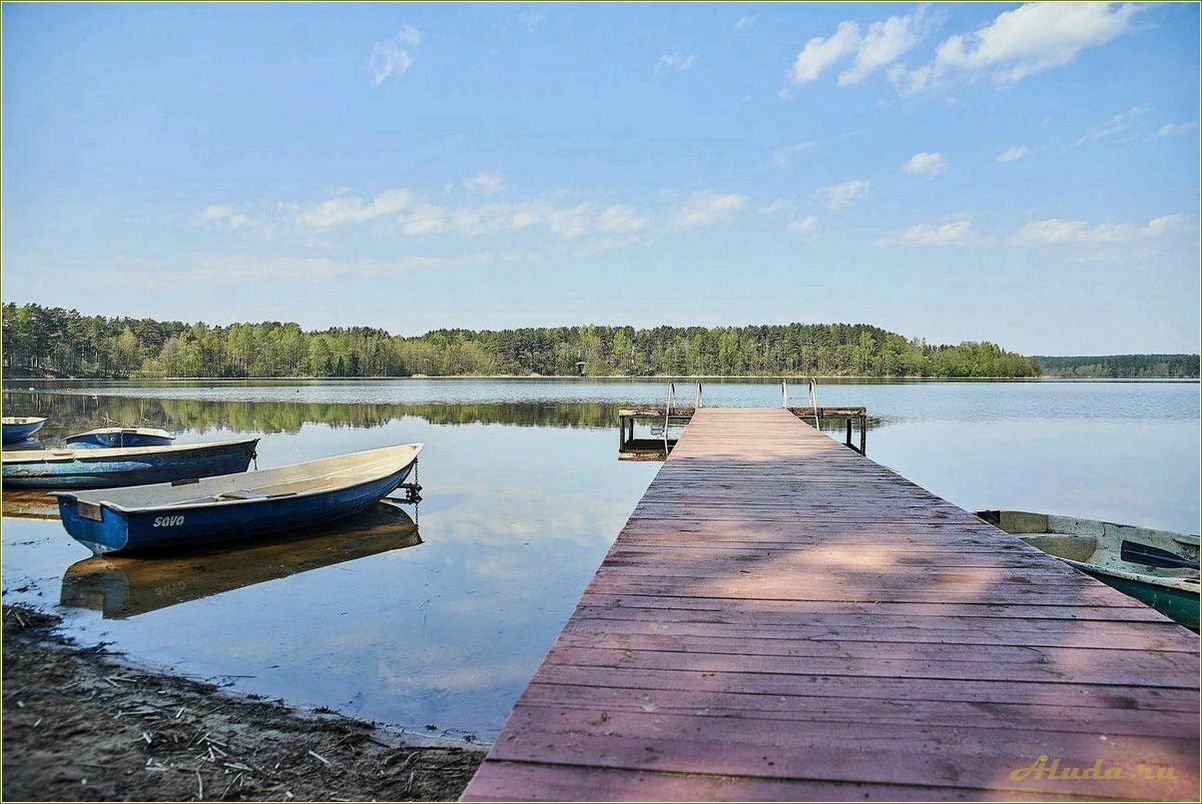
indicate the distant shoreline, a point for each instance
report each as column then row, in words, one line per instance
column 833, row 379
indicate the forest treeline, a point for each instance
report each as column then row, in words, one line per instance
column 1120, row 366
column 55, row 342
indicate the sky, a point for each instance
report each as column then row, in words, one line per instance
column 1025, row 174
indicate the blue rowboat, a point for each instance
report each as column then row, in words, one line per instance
column 234, row 507
column 19, row 428
column 98, row 467
column 122, row 586
column 121, row 437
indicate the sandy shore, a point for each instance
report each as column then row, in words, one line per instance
column 87, row 724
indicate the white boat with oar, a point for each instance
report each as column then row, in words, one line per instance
column 1157, row 567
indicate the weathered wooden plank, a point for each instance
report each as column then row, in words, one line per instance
column 1153, row 669
column 781, row 618
column 524, row 781
column 1036, row 715
column 1111, row 697
column 880, row 754
column 867, row 628
column 816, row 609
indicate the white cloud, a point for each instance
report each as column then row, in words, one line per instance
column 222, row 215
column 393, row 56
column 1120, row 122
column 746, row 21
column 1014, row 153
column 926, row 163
column 880, row 45
column 620, row 219
column 884, row 43
column 837, row 196
column 807, row 225
column 675, row 61
column 951, row 233
column 1056, row 231
column 1022, row 42
column 705, row 208
column 821, row 52
column 571, row 222
column 780, row 206
column 425, row 219
column 786, row 154
column 1037, row 37
column 484, row 183
column 352, row 209
column 1172, row 129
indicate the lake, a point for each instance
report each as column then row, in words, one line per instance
column 435, row 621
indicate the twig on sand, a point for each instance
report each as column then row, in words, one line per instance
column 316, row 755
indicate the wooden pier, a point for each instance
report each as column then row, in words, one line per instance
column 782, row 618
column 661, row 418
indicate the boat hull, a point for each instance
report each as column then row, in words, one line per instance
column 19, row 432
column 95, row 468
column 1180, row 605
column 127, row 531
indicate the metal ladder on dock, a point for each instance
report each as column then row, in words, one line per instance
column 670, row 413
column 812, row 396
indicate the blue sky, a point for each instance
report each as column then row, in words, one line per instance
column 1024, row 174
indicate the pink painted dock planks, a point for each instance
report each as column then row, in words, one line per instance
column 784, row 619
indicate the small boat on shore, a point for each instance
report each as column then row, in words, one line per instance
column 19, row 428
column 99, row 467
column 234, row 507
column 122, row 586
column 1157, row 567
column 121, row 437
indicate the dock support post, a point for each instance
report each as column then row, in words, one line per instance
column 849, row 431
column 863, row 434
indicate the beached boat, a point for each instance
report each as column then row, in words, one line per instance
column 19, row 428
column 234, row 507
column 1157, row 567
column 99, row 467
column 124, row 586
column 121, row 437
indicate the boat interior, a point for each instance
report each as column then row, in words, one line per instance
column 1106, row 545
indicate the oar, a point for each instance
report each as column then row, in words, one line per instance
column 1154, row 557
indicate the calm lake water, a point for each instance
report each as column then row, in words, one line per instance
column 440, row 622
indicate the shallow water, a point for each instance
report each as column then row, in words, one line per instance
column 441, row 622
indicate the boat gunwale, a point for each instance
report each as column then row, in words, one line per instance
column 96, row 453
column 209, row 502
column 16, row 421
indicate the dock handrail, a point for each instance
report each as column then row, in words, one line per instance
column 814, row 402
column 668, row 412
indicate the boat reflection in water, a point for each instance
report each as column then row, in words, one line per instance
column 124, row 586
column 29, row 504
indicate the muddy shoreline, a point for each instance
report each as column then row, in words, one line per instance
column 84, row 723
